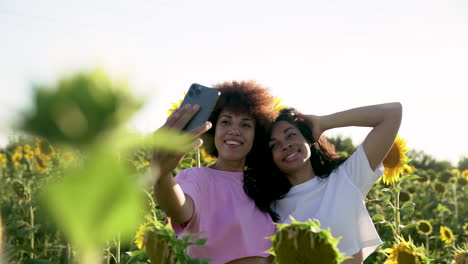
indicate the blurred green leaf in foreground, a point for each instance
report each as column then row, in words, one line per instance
column 101, row 199
column 79, row 108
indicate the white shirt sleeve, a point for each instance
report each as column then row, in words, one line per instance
column 359, row 171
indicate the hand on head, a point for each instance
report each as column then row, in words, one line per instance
column 166, row 161
column 313, row 122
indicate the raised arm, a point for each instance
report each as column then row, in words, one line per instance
column 168, row 193
column 385, row 120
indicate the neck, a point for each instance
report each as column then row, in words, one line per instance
column 300, row 176
column 229, row 165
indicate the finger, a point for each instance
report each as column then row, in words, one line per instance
column 172, row 119
column 197, row 143
column 196, row 132
column 186, row 114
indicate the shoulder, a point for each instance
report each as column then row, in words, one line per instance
column 192, row 174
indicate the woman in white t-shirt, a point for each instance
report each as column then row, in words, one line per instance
column 322, row 185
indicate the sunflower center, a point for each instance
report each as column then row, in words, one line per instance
column 447, row 234
column 406, row 258
column 393, row 157
column 424, row 227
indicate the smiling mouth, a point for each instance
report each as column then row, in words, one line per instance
column 232, row 143
column 291, row 156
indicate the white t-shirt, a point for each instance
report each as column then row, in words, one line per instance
column 338, row 203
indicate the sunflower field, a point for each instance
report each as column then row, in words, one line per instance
column 76, row 188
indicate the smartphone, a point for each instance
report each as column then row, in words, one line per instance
column 205, row 97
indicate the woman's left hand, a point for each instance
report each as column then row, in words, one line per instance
column 314, row 123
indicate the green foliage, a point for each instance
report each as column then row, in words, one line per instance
column 463, row 164
column 80, row 109
column 343, row 145
column 109, row 201
column 163, row 246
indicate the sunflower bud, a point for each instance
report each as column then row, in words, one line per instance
column 304, row 242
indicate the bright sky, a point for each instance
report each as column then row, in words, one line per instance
column 319, row 56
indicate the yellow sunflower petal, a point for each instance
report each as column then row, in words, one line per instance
column 446, row 235
column 396, row 161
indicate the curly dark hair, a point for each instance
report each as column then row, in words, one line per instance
column 324, row 160
column 247, row 97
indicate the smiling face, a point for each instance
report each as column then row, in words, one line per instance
column 290, row 150
column 234, row 136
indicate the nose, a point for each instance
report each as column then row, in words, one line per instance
column 234, row 131
column 286, row 147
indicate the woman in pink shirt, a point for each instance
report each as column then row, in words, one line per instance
column 211, row 200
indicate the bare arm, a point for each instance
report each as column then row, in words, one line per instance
column 168, row 193
column 384, row 119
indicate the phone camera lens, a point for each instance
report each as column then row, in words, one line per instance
column 197, row 91
column 190, row 94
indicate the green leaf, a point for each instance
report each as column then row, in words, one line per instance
column 378, row 218
column 95, row 203
column 79, row 109
column 386, row 197
column 385, row 190
column 138, row 256
column 407, row 208
column 409, row 178
column 409, row 226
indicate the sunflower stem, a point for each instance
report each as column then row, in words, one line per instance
column 454, row 189
column 427, row 244
column 31, row 215
column 396, row 209
column 198, row 158
column 118, row 249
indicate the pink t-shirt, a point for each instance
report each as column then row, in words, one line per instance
column 234, row 226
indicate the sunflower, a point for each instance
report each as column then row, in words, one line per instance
column 445, row 176
column 465, row 174
column 145, row 164
column 45, row 149
column 304, row 242
column 17, row 156
column 174, row 106
column 207, row 157
column 19, row 148
column 27, row 148
column 409, row 169
column 395, row 161
column 424, row 227
column 29, row 155
column 462, row 181
column 460, row 255
column 278, row 104
column 140, row 235
column 446, row 235
column 439, row 188
column 405, row 252
column 41, row 164
column 3, row 160
column 465, row 228
column 455, row 172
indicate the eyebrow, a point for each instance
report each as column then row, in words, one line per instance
column 284, row 132
column 243, row 119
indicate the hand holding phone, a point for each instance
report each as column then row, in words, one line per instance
column 203, row 96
